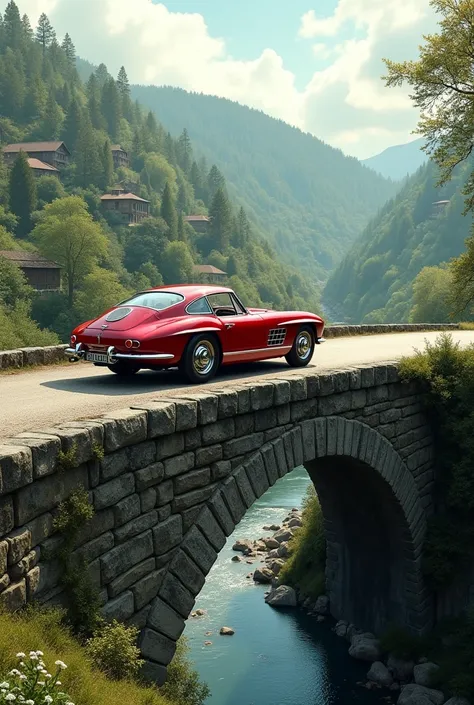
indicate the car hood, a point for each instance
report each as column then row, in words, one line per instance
column 124, row 318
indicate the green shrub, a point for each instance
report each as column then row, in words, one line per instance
column 183, row 686
column 113, row 649
column 402, row 644
column 306, row 565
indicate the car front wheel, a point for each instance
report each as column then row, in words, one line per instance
column 201, row 359
column 123, row 369
column 303, row 348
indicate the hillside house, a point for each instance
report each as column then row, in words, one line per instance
column 40, row 168
column 120, row 156
column 210, row 274
column 42, row 274
column 55, row 154
column 200, row 223
column 132, row 208
column 439, row 207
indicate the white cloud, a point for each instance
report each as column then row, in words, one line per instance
column 345, row 104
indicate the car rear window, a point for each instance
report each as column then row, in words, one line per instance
column 158, row 300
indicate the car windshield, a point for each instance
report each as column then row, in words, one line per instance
column 158, row 300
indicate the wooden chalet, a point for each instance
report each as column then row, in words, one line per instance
column 42, row 274
column 210, row 274
column 40, row 168
column 55, row 154
column 119, row 156
column 132, row 208
column 200, row 223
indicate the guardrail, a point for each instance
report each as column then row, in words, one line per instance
column 34, row 356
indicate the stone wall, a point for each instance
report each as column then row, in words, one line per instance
column 379, row 328
column 26, row 357
column 178, row 475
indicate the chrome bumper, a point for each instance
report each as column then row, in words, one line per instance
column 320, row 340
column 78, row 353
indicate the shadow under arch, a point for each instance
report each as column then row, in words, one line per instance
column 374, row 523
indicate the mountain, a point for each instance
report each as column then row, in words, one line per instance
column 311, row 199
column 374, row 281
column 399, row 161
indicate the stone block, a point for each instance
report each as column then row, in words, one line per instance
column 113, row 491
column 280, row 457
column 233, row 499
column 147, row 500
column 306, row 409
column 261, row 396
column 27, row 563
column 165, row 559
column 192, row 439
column 283, row 417
column 123, row 582
column 243, row 445
column 33, row 356
column 211, row 529
column 95, row 429
column 336, row 404
column 297, row 441
column 173, row 593
column 153, row 673
column 244, row 486
column 142, row 455
column 191, row 499
column 243, row 398
column 227, row 403
column 123, row 557
column 265, row 419
column 367, row 377
column 207, row 407
column 139, row 619
column 308, row 440
column 218, row 432
column 3, row 557
column 169, row 446
column 11, row 359
column 219, row 509
column 270, row 463
column 156, row 646
column 165, row 620
column 149, row 476
column 19, row 544
column 167, row 535
column 331, row 435
column 220, row 470
column 16, row 467
column 208, row 455
column 136, row 526
column 326, row 385
column 76, row 441
column 192, row 480
column 14, row 597
column 164, row 512
column 288, row 446
column 164, row 493
column 190, row 515
column 179, row 464
column 199, row 549
column 95, row 548
column 257, row 475
column 4, row 581
column 47, row 493
column 124, row 427
column 244, row 425
column 126, row 509
column 161, row 417
column 121, row 608
column 146, row 589
column 44, row 452
column 100, row 523
column 188, row 572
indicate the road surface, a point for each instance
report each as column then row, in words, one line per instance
column 42, row 397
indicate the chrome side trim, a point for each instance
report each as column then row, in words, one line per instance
column 197, row 330
column 297, row 320
column 258, row 350
column 75, row 354
column 125, row 356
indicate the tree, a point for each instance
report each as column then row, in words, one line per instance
column 123, row 87
column 70, row 51
column 431, row 295
column 53, row 119
column 146, row 242
column 215, row 181
column 12, row 85
column 48, row 189
column 89, row 168
column 100, row 290
column 107, row 165
column 221, row 220
column 67, row 234
column 159, row 172
column 177, row 265
column 102, row 75
column 45, row 32
column 28, row 33
column 181, row 233
column 184, row 152
column 22, row 192
column 168, row 211
column 13, row 284
column 241, row 230
column 110, row 103
column 72, row 124
column 12, row 26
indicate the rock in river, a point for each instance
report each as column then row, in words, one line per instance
column 424, row 672
column 379, row 673
column 283, row 535
column 365, row 647
column 322, row 605
column 226, row 631
column 263, row 575
column 242, row 545
column 401, row 670
column 413, row 694
column 282, row 596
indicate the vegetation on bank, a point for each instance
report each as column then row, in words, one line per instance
column 102, row 673
column 305, row 567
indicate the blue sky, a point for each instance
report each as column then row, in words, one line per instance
column 316, row 64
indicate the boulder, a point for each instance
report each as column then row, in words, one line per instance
column 263, row 575
column 322, row 605
column 282, row 596
column 401, row 670
column 271, row 543
column 365, row 647
column 283, row 551
column 236, row 559
column 295, row 523
column 423, row 673
column 272, row 527
column 457, row 701
column 341, row 628
column 379, row 673
column 274, row 553
column 276, row 565
column 226, row 631
column 242, row 545
column 283, row 535
column 413, row 694
column 352, row 631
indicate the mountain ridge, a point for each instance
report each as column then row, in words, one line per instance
column 398, row 161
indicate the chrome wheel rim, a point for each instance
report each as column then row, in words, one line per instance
column 203, row 357
column 303, row 345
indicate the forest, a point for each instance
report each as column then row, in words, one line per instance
column 103, row 260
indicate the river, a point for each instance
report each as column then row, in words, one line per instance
column 276, row 657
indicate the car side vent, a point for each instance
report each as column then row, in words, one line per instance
column 117, row 314
column 276, row 336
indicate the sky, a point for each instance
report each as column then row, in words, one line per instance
column 316, row 64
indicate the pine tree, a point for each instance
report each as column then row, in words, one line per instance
column 22, row 194
column 35, row 100
column 107, row 166
column 102, row 75
column 151, row 134
column 27, row 29
column 181, row 233
column 169, row 149
column 72, row 125
column 182, row 201
column 123, row 87
column 45, row 32
column 12, row 26
column 70, row 51
column 89, row 168
column 110, row 105
column 184, row 152
column 63, row 96
column 168, row 211
column 221, row 220
column 93, row 96
column 12, row 85
column 52, row 120
column 241, row 230
column 215, row 181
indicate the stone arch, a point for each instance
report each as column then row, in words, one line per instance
column 320, row 445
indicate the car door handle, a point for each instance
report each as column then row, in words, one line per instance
column 229, row 325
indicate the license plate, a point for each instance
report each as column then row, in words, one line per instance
column 96, row 357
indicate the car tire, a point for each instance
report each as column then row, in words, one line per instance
column 201, row 359
column 123, row 369
column 302, row 351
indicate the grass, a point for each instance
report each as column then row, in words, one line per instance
column 466, row 326
column 32, row 368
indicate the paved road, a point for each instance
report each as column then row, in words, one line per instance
column 45, row 396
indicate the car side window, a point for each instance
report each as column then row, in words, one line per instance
column 222, row 304
column 199, row 306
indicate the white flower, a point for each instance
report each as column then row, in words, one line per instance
column 14, row 672
column 4, row 685
column 10, row 697
column 48, row 699
column 20, row 654
column 40, row 683
column 60, row 664
column 47, row 675
column 33, row 656
column 58, row 683
column 30, row 702
column 23, row 677
column 69, row 703
column 21, row 698
column 41, row 669
column 40, row 653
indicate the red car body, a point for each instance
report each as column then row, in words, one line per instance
column 153, row 330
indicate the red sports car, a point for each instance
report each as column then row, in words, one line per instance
column 196, row 328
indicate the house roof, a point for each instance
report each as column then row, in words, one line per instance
column 122, row 197
column 195, row 218
column 34, row 147
column 38, row 164
column 440, row 203
column 28, row 260
column 208, row 269
column 117, row 148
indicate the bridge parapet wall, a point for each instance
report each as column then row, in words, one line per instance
column 176, row 477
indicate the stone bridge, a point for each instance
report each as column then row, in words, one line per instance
column 170, row 480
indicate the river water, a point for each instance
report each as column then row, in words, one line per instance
column 276, row 657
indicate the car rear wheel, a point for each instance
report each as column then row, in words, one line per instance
column 123, row 368
column 201, row 359
column 303, row 348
